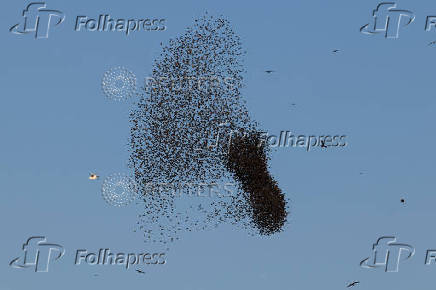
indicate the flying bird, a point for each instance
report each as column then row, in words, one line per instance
column 403, row 200
column 140, row 271
column 269, row 71
column 336, row 51
column 93, row 176
column 352, row 284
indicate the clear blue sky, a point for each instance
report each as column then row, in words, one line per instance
column 56, row 126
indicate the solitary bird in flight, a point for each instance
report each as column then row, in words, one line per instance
column 403, row 200
column 336, row 51
column 93, row 176
column 352, row 284
column 269, row 71
column 140, row 271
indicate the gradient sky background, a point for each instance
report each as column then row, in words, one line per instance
column 56, row 126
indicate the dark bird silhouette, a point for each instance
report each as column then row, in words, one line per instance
column 352, row 284
column 140, row 271
column 269, row 71
column 403, row 200
column 336, row 51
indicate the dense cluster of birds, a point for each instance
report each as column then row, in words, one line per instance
column 248, row 160
column 172, row 127
column 169, row 124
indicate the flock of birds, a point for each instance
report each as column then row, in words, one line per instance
column 167, row 124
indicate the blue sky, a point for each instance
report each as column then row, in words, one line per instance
column 57, row 126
